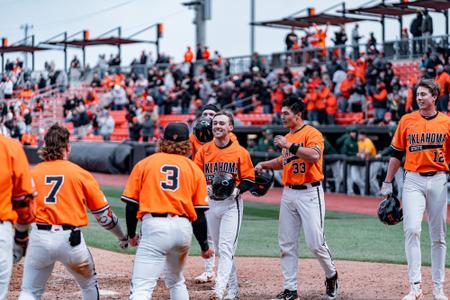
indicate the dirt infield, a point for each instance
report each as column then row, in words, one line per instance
column 259, row 278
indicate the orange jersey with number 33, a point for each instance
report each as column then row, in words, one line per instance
column 64, row 190
column 166, row 183
column 425, row 142
column 296, row 170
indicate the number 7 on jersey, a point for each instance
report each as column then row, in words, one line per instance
column 56, row 181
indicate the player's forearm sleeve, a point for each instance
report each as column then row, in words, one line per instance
column 245, row 185
column 200, row 229
column 131, row 218
column 398, row 154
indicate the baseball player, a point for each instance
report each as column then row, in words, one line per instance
column 423, row 136
column 64, row 190
column 16, row 205
column 302, row 201
column 222, row 155
column 167, row 192
column 198, row 138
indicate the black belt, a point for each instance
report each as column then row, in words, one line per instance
column 165, row 215
column 303, row 186
column 48, row 227
column 427, row 174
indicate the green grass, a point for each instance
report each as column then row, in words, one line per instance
column 349, row 236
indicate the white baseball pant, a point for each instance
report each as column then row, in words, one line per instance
column 6, row 257
column 164, row 246
column 47, row 247
column 302, row 208
column 422, row 194
column 224, row 223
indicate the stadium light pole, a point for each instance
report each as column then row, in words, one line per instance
column 252, row 27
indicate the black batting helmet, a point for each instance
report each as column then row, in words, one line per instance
column 263, row 182
column 223, row 185
column 203, row 129
column 389, row 211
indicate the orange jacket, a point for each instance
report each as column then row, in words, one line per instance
column 311, row 99
column 443, row 80
column 188, row 56
column 331, row 108
column 324, row 93
column 360, row 68
column 206, row 54
column 346, row 85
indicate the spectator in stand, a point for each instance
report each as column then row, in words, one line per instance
column 359, row 67
column 346, row 89
column 96, row 82
column 340, row 39
column 416, row 31
column 134, row 129
column 26, row 93
column 355, row 41
column 337, row 78
column 291, row 40
column 143, row 58
column 206, row 55
column 331, row 109
column 148, row 128
column 379, row 97
column 357, row 99
column 106, row 124
column 311, row 99
column 188, row 55
column 199, row 53
column 427, row 29
column 404, row 44
column 7, row 87
column 348, row 144
column 323, row 93
column 119, row 97
column 371, row 44
column 443, row 79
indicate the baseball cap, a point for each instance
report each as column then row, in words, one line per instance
column 176, row 132
column 210, row 107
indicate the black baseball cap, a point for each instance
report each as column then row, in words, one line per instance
column 176, row 132
column 210, row 107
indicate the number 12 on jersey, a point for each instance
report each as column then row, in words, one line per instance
column 438, row 156
column 56, row 181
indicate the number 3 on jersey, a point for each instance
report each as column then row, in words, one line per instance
column 56, row 181
column 171, row 181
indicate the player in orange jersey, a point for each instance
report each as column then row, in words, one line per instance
column 222, row 155
column 302, row 202
column 16, row 206
column 64, row 190
column 167, row 192
column 423, row 138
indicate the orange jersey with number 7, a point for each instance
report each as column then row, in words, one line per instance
column 296, row 170
column 64, row 190
column 425, row 142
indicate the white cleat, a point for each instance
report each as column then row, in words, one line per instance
column 415, row 293
column 233, row 293
column 205, row 277
column 438, row 294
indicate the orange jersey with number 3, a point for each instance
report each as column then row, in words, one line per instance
column 296, row 170
column 15, row 179
column 166, row 183
column 425, row 142
column 232, row 159
column 196, row 145
column 64, row 190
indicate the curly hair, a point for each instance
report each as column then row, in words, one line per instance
column 56, row 140
column 182, row 148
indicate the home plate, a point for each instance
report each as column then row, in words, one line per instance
column 108, row 293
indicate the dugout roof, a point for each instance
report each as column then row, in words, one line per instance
column 21, row 48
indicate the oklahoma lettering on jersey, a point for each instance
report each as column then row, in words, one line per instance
column 424, row 141
column 232, row 159
column 177, row 188
column 64, row 190
column 295, row 169
column 15, row 178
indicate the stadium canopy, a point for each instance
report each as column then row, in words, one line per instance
column 105, row 39
column 441, row 6
column 323, row 18
column 20, row 46
column 383, row 11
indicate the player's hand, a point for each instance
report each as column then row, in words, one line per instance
column 20, row 245
column 258, row 167
column 386, row 189
column 281, row 141
column 18, row 253
column 134, row 242
column 123, row 243
column 208, row 253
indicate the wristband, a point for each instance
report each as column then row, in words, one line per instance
column 294, row 148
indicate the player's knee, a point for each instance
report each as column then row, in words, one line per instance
column 412, row 231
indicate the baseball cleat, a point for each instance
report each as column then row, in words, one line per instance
column 332, row 287
column 415, row 293
column 233, row 293
column 286, row 295
column 438, row 294
column 215, row 296
column 205, row 277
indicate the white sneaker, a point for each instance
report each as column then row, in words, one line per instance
column 438, row 294
column 232, row 293
column 415, row 293
column 205, row 277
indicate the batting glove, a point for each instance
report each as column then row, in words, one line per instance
column 134, row 242
column 123, row 243
column 386, row 189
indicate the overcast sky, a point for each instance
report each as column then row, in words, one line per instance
column 228, row 31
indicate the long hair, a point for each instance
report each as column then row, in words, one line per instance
column 182, row 148
column 56, row 140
